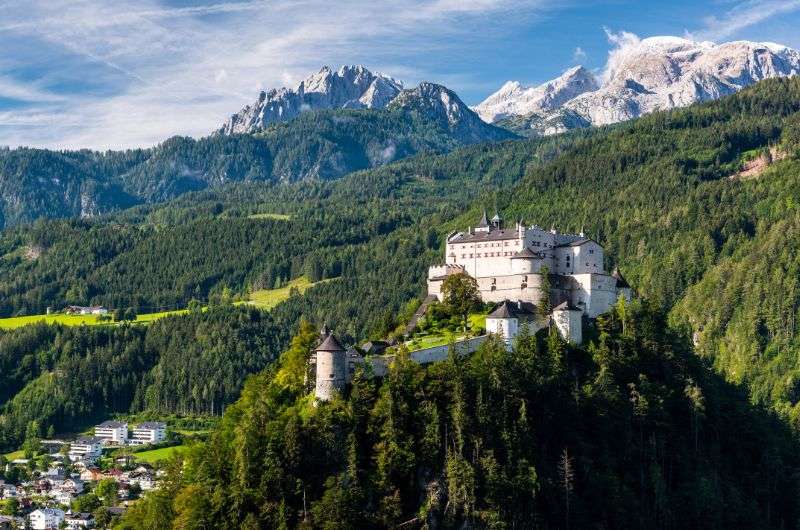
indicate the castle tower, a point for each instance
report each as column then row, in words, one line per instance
column 503, row 322
column 331, row 368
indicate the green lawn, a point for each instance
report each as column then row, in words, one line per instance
column 264, row 299
column 443, row 337
column 149, row 317
column 159, row 454
column 273, row 216
column 15, row 455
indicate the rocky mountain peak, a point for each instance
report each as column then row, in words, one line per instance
column 442, row 105
column 348, row 87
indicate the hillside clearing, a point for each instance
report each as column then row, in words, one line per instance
column 269, row 298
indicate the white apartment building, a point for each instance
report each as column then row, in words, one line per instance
column 149, row 432
column 46, row 518
column 86, row 449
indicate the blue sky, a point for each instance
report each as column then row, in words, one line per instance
column 121, row 73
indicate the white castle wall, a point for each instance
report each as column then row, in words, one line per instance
column 525, row 287
column 510, row 328
column 569, row 325
column 595, row 293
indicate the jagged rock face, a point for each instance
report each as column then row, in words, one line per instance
column 349, row 87
column 513, row 99
column 657, row 73
column 439, row 104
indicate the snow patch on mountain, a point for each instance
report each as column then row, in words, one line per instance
column 513, row 99
column 641, row 76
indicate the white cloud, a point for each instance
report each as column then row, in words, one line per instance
column 742, row 15
column 622, row 43
column 168, row 71
column 579, row 55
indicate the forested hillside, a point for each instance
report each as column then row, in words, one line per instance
column 322, row 145
column 62, row 379
column 631, row 432
column 157, row 256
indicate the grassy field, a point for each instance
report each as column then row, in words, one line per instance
column 69, row 320
column 269, row 298
column 78, row 320
column 264, row 299
column 159, row 454
column 149, row 317
column 273, row 216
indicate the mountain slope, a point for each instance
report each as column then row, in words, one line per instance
column 350, row 87
column 657, row 73
column 442, row 106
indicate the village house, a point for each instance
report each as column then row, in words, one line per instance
column 149, row 432
column 78, row 520
column 90, row 310
column 142, row 477
column 91, row 474
column 8, row 491
column 46, row 518
column 112, row 432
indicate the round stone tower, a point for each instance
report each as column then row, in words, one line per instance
column 331, row 368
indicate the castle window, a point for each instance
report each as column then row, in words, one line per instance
column 591, row 251
column 463, row 256
column 470, row 255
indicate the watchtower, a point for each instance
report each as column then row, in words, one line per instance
column 331, row 368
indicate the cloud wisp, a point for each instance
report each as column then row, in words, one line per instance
column 743, row 15
column 158, row 70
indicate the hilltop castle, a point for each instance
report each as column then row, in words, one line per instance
column 509, row 266
column 510, row 263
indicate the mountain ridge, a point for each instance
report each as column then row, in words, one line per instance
column 349, row 87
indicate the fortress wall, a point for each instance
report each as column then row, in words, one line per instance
column 380, row 365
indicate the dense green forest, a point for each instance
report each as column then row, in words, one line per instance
column 69, row 378
column 633, row 431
